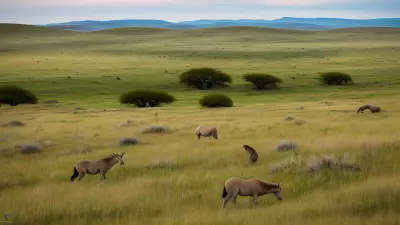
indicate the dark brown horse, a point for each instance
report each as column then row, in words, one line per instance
column 253, row 155
column 372, row 108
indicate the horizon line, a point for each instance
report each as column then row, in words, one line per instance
column 277, row 18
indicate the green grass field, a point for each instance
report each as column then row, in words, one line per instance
column 35, row 188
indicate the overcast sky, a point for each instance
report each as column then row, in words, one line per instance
column 51, row 11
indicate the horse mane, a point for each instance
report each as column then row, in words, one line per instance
column 108, row 158
column 267, row 184
column 366, row 106
column 248, row 148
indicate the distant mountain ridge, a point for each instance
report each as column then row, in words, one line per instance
column 285, row 22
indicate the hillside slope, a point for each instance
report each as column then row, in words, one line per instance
column 286, row 22
column 7, row 29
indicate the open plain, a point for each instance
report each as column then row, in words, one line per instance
column 173, row 178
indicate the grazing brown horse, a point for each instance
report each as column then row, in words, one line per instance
column 235, row 186
column 372, row 108
column 210, row 132
column 253, row 155
column 93, row 167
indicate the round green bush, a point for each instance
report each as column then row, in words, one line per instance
column 216, row 100
column 205, row 78
column 14, row 96
column 335, row 78
column 144, row 98
column 261, row 80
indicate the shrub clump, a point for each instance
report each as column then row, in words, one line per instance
column 14, row 96
column 216, row 100
column 155, row 129
column 205, row 78
column 262, row 81
column 14, row 123
column 144, row 98
column 51, row 101
column 30, row 148
column 286, row 146
column 128, row 141
column 332, row 78
column 315, row 164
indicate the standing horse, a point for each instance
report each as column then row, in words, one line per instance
column 93, row 167
column 235, row 186
column 253, row 155
column 206, row 132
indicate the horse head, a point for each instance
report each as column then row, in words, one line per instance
column 278, row 191
column 119, row 158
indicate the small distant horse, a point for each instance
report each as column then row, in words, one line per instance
column 210, row 132
column 94, row 167
column 372, row 108
column 253, row 155
column 235, row 186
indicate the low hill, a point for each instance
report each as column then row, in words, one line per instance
column 131, row 30
column 248, row 30
column 32, row 30
column 371, row 30
column 298, row 26
column 90, row 25
column 7, row 29
column 343, row 23
column 327, row 23
column 285, row 22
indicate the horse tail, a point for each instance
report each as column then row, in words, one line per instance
column 224, row 193
column 75, row 175
column 198, row 132
column 215, row 133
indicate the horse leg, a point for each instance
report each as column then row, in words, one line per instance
column 103, row 175
column 255, row 199
column 226, row 199
column 234, row 199
column 81, row 175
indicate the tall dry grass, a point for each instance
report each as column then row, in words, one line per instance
column 36, row 189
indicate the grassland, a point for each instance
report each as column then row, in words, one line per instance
column 36, row 188
column 140, row 58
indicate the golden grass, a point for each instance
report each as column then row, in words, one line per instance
column 36, row 188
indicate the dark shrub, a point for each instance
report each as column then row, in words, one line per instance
column 337, row 78
column 14, row 123
column 128, row 141
column 13, row 96
column 30, row 148
column 144, row 98
column 155, row 129
column 262, row 81
column 204, row 78
column 286, row 145
column 216, row 100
